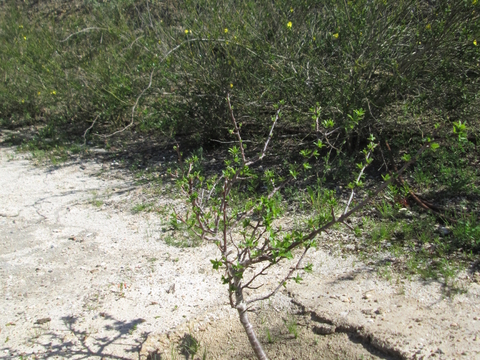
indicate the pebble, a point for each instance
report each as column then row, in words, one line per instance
column 324, row 329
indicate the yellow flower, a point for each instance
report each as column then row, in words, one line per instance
column 475, row 42
column 23, row 101
column 289, row 24
column 186, row 31
column 24, row 38
column 53, row 92
column 39, row 93
column 159, row 41
column 335, row 35
column 314, row 38
column 291, row 9
column 225, row 30
column 428, row 27
column 231, row 85
column 20, row 26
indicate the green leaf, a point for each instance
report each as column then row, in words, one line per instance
column 216, row 264
column 319, row 144
column 406, row 157
column 305, row 153
column 297, row 279
column 434, row 146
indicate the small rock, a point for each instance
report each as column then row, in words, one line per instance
column 443, row 231
column 367, row 295
column 171, row 289
column 324, row 329
column 406, row 213
column 43, row 321
column 427, row 246
column 379, row 311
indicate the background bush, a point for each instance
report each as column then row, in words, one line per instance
column 69, row 62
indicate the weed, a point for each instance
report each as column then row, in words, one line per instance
column 466, row 232
column 181, row 241
column 142, row 207
column 189, row 346
column 173, row 353
column 385, row 272
column 270, row 339
column 386, row 209
column 383, row 231
column 132, row 329
column 97, row 203
column 291, row 324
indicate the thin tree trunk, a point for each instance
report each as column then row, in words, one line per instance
column 242, row 313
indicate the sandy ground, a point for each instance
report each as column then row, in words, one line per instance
column 81, row 276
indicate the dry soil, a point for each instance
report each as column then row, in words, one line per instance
column 81, row 276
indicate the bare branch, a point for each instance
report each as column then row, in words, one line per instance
column 90, row 127
column 133, row 109
column 358, row 179
column 296, row 267
column 82, row 31
column 237, row 130
column 229, row 142
column 269, row 135
column 262, row 272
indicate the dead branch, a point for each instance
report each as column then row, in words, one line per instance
column 82, row 31
column 237, row 130
column 133, row 108
column 422, row 204
column 89, row 128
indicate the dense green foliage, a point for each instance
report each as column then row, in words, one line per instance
column 73, row 61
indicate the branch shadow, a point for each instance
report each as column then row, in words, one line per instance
column 73, row 343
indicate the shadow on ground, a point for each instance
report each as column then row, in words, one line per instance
column 74, row 343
